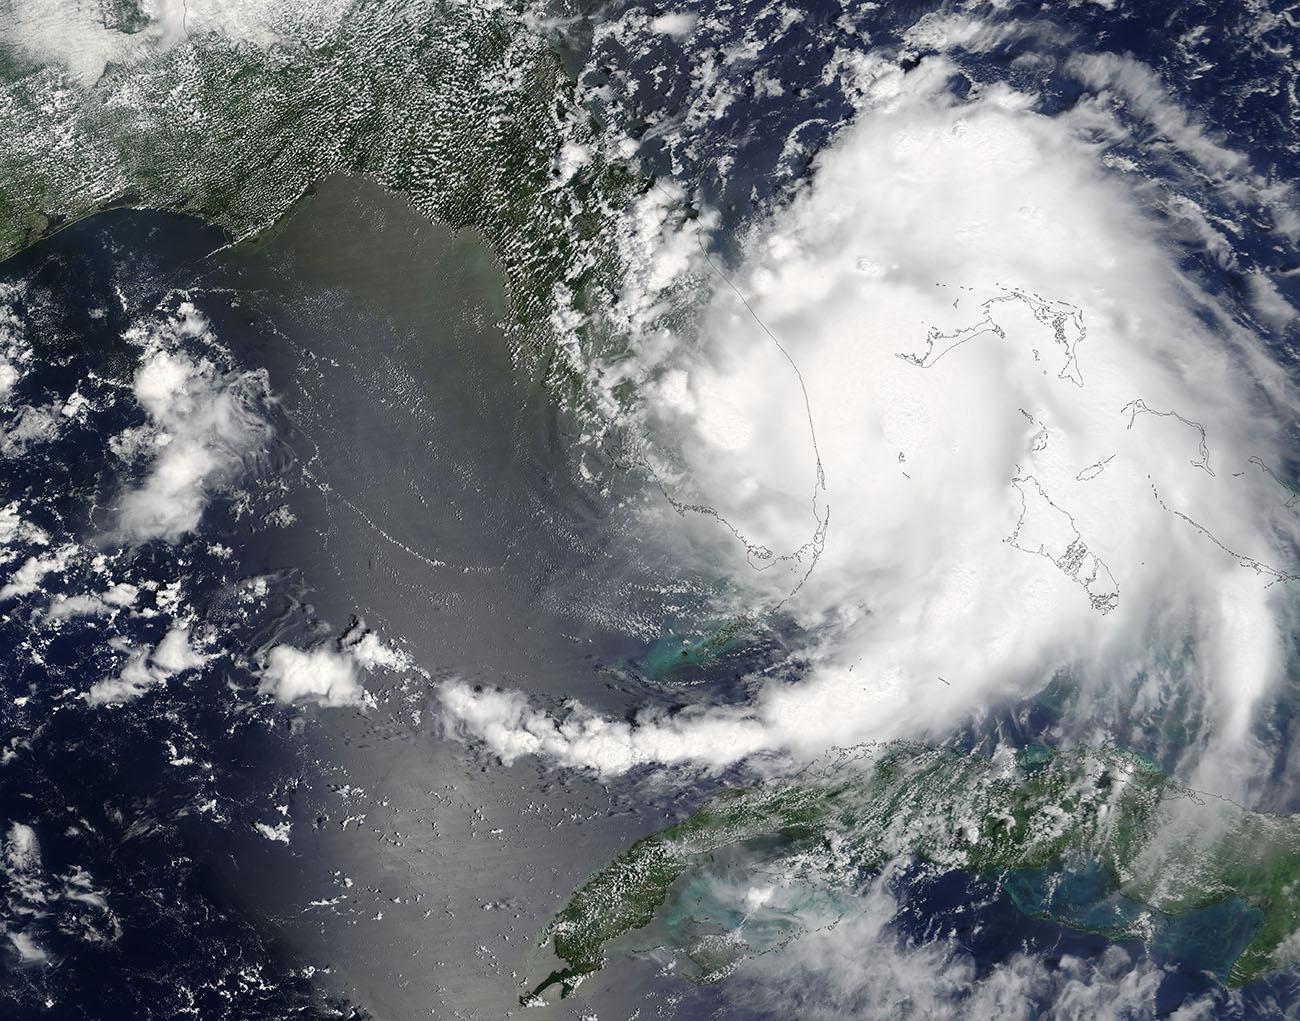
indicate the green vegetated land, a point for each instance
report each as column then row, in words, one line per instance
column 460, row 107
column 1162, row 852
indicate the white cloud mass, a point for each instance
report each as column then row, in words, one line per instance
column 205, row 424
column 117, row 597
column 322, row 675
column 29, row 575
column 972, row 300
column 858, row 965
column 328, row 674
column 146, row 668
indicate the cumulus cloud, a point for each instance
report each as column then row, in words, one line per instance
column 322, row 675
column 859, row 965
column 117, row 597
column 29, row 427
column 675, row 23
column 205, row 424
column 512, row 728
column 22, row 849
column 371, row 652
column 328, row 674
column 972, row 383
column 14, row 529
column 148, row 667
column 29, row 575
column 279, row 833
column 15, row 352
column 174, row 653
column 22, row 870
column 38, row 903
column 84, row 37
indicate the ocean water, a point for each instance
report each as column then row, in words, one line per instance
column 439, row 501
column 416, row 480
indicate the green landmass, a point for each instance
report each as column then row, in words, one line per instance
column 123, row 16
column 462, row 108
column 1164, row 849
